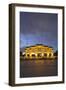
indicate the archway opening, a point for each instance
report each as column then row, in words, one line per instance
column 28, row 55
column 50, row 54
column 33, row 55
column 39, row 55
column 45, row 54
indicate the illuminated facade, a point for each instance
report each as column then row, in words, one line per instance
column 38, row 51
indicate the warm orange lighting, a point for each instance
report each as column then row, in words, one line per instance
column 38, row 52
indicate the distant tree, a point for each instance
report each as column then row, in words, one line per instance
column 56, row 53
column 20, row 53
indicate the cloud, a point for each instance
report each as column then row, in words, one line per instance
column 38, row 28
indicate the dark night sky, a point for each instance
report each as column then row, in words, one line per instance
column 38, row 28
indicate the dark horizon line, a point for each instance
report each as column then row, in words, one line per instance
column 38, row 44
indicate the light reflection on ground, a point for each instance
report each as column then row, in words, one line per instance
column 35, row 68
